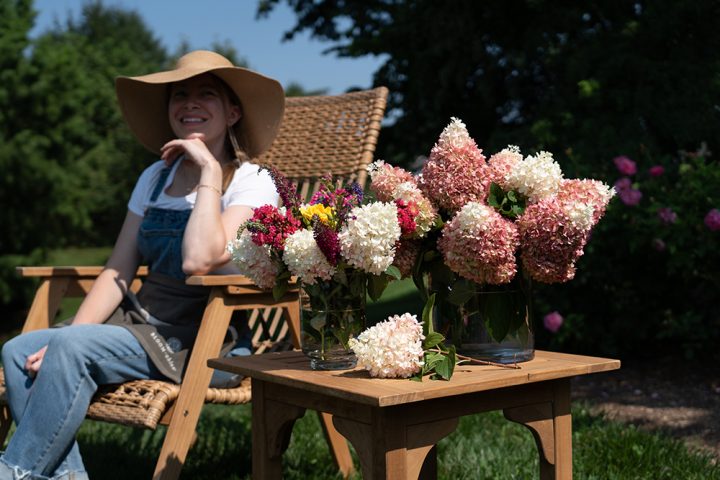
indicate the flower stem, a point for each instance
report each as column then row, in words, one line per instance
column 513, row 366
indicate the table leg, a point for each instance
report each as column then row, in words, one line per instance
column 272, row 424
column 551, row 426
column 391, row 449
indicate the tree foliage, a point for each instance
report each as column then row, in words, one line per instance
column 584, row 80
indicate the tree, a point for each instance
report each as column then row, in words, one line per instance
column 585, row 81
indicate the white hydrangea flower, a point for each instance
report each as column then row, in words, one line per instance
column 368, row 239
column 536, row 177
column 304, row 258
column 475, row 217
column 580, row 215
column 606, row 192
column 253, row 261
column 455, row 134
column 392, row 348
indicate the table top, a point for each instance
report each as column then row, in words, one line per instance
column 293, row 369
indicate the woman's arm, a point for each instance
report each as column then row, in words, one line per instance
column 111, row 285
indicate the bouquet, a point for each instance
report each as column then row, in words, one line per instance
column 489, row 224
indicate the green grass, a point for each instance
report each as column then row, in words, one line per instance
column 484, row 446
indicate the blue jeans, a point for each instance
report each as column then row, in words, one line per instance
column 49, row 409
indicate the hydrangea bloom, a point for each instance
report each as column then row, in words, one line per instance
column 385, row 179
column 536, row 177
column 553, row 321
column 712, row 220
column 479, row 244
column 551, row 241
column 392, row 348
column 590, row 192
column 368, row 241
column 406, row 252
column 502, row 163
column 456, row 172
column 253, row 260
column 425, row 214
column 667, row 216
column 304, row 258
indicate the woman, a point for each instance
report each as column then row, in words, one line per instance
column 205, row 118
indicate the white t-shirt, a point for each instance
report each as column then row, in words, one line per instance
column 250, row 186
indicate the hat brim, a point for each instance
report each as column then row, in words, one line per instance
column 144, row 104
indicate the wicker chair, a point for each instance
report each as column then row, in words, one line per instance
column 319, row 135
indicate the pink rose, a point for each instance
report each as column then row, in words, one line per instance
column 656, row 170
column 667, row 216
column 712, row 220
column 630, row 196
column 553, row 321
column 625, row 165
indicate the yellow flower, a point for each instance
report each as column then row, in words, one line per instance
column 325, row 214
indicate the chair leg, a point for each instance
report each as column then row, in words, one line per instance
column 338, row 445
column 5, row 423
column 181, row 431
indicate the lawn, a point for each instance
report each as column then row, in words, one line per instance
column 484, row 446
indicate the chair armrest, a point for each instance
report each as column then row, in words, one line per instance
column 68, row 271
column 236, row 284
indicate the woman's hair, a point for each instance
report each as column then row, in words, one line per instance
column 235, row 145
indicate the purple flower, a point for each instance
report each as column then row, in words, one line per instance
column 712, row 220
column 667, row 216
column 623, row 183
column 552, row 321
column 327, row 241
column 630, row 196
column 658, row 244
column 656, row 170
column 625, row 165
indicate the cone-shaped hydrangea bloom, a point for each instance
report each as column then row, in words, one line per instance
column 392, row 348
column 502, row 163
column 552, row 240
column 406, row 252
column 536, row 177
column 367, row 240
column 385, row 179
column 479, row 244
column 304, row 259
column 591, row 192
column 455, row 173
column 254, row 261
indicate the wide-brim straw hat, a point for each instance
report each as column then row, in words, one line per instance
column 144, row 101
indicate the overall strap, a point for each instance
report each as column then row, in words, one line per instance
column 161, row 180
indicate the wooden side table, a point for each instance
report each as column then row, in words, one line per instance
column 394, row 423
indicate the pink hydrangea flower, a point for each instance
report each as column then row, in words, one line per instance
column 386, row 178
column 502, row 163
column 712, row 220
column 456, row 172
column 591, row 192
column 406, row 252
column 667, row 216
column 479, row 244
column 553, row 321
column 625, row 165
column 656, row 170
column 550, row 244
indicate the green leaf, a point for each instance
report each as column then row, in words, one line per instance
column 432, row 340
column 443, row 368
column 427, row 315
column 376, row 285
column 318, row 321
column 461, row 292
column 393, row 272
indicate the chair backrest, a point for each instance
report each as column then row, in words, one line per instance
column 334, row 134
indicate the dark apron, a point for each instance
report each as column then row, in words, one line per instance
column 165, row 314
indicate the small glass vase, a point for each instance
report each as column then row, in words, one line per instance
column 331, row 313
column 487, row 322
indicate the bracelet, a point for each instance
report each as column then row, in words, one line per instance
column 210, row 187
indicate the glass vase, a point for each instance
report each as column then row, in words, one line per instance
column 331, row 313
column 486, row 322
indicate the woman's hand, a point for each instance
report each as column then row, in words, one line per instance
column 193, row 147
column 33, row 362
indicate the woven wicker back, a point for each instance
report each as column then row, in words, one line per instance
column 334, row 134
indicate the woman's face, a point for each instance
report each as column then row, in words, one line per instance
column 201, row 105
